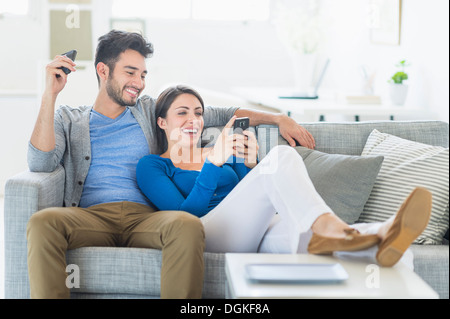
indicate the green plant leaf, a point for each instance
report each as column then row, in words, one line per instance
column 399, row 77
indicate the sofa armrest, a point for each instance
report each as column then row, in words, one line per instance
column 25, row 194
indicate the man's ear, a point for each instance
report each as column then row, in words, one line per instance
column 102, row 71
column 162, row 123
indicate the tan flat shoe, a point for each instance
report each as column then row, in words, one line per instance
column 353, row 241
column 410, row 221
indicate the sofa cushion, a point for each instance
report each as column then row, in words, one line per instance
column 431, row 264
column 407, row 165
column 343, row 181
column 110, row 271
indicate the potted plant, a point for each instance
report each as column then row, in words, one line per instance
column 399, row 90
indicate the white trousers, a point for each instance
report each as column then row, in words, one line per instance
column 247, row 220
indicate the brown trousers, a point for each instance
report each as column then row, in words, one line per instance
column 52, row 231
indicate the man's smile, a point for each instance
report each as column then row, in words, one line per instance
column 133, row 92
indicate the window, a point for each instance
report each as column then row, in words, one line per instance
column 167, row 9
column 230, row 9
column 220, row 10
column 16, row 7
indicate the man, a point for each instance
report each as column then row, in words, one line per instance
column 99, row 147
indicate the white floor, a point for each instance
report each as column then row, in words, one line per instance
column 2, row 256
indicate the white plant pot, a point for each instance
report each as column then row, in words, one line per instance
column 398, row 93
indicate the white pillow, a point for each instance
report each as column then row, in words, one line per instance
column 406, row 165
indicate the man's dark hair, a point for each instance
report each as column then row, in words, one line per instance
column 112, row 44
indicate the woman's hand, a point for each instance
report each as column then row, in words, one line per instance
column 226, row 145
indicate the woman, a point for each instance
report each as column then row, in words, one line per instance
column 237, row 199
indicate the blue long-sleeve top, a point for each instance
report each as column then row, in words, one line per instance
column 172, row 188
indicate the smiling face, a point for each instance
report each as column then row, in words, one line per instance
column 183, row 123
column 127, row 80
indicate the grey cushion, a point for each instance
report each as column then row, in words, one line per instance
column 132, row 272
column 343, row 181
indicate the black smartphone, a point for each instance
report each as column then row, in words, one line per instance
column 241, row 124
column 71, row 55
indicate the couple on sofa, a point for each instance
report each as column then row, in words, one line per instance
column 182, row 199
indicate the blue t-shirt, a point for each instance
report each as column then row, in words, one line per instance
column 116, row 147
column 172, row 188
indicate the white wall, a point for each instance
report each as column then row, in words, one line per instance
column 218, row 56
column 424, row 43
column 17, row 117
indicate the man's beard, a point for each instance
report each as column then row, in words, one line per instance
column 116, row 93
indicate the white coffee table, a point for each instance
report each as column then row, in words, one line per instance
column 365, row 280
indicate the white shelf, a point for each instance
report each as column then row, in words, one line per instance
column 329, row 103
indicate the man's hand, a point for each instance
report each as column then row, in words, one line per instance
column 289, row 129
column 56, row 79
column 43, row 136
column 292, row 132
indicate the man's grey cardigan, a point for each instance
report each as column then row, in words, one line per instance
column 73, row 143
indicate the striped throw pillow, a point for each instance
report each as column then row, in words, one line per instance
column 407, row 165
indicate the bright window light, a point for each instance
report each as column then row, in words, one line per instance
column 222, row 10
column 167, row 9
column 231, row 9
column 16, row 7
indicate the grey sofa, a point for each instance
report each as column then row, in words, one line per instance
column 135, row 272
